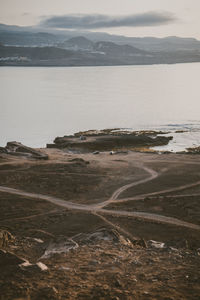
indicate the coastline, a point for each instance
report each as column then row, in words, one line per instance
column 61, row 65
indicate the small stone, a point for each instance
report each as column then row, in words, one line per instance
column 42, row 266
column 155, row 244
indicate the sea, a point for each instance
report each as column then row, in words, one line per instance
column 38, row 104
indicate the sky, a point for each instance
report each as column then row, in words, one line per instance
column 125, row 17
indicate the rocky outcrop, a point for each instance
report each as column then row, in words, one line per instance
column 62, row 244
column 3, row 150
column 110, row 139
column 16, row 148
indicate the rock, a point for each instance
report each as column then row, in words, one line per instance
column 63, row 244
column 5, row 238
column 3, row 150
column 103, row 234
column 106, row 140
column 59, row 245
column 140, row 242
column 16, row 148
column 38, row 240
column 27, row 266
column 96, row 152
column 42, row 266
column 155, row 244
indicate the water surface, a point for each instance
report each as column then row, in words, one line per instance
column 37, row 103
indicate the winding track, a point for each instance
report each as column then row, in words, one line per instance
column 169, row 190
column 118, row 192
column 98, row 208
column 150, row 217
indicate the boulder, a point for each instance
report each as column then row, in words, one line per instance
column 16, row 148
column 3, row 150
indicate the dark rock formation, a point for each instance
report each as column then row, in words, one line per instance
column 16, row 148
column 108, row 140
column 3, row 150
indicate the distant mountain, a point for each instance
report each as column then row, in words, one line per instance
column 32, row 46
column 4, row 27
column 25, row 38
column 166, row 44
column 108, row 48
column 77, row 43
column 37, row 36
column 113, row 49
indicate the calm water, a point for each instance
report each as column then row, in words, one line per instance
column 38, row 104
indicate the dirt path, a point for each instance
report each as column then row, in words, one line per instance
column 118, row 192
column 98, row 209
column 176, row 189
column 54, row 200
column 93, row 208
column 150, row 217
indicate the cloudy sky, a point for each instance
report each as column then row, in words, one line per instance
column 127, row 17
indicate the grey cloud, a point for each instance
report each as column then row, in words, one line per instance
column 103, row 21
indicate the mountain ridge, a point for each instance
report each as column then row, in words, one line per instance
column 28, row 36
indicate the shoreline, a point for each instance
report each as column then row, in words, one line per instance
column 98, row 65
column 116, row 140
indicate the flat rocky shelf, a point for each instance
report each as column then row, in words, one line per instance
column 110, row 139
